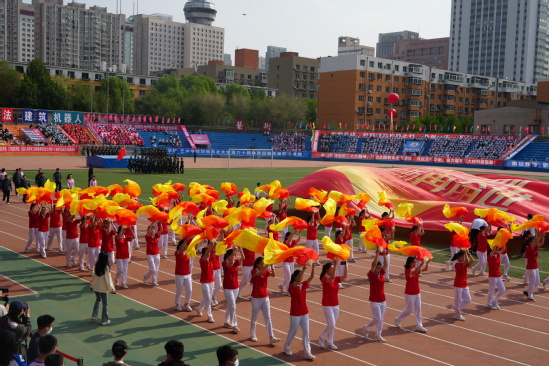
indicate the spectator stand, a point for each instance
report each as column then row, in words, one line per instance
column 55, row 134
column 79, row 134
column 10, row 135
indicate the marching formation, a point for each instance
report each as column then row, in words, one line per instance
column 96, row 229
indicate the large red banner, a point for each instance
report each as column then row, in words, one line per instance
column 53, row 149
column 421, row 159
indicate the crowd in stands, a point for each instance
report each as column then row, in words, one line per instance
column 6, row 136
column 78, row 133
column 167, row 138
column 53, row 133
column 289, row 141
column 487, row 148
column 444, row 146
column 382, row 145
column 118, row 135
column 335, row 142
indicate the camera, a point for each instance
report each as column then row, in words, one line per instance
column 5, row 298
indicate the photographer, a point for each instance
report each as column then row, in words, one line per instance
column 18, row 321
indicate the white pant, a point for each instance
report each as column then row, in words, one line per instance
column 121, row 270
column 135, row 242
column 180, row 282
column 83, row 250
column 378, row 312
column 218, row 284
column 506, row 264
column 72, row 247
column 93, row 254
column 453, row 250
column 382, row 259
column 327, row 230
column 154, row 266
column 351, row 245
column 230, row 314
column 361, row 246
column 481, row 265
column 495, row 283
column 246, row 277
column 262, row 304
column 462, row 297
column 340, row 269
column 171, row 235
column 41, row 243
column 111, row 259
column 296, row 322
column 33, row 233
column 331, row 313
column 313, row 244
column 413, row 305
column 288, row 268
column 206, row 302
column 163, row 245
column 532, row 276
column 55, row 231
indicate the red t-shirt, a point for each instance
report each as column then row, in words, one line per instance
column 412, row 282
column 312, row 232
column 72, row 229
column 291, row 258
column 494, row 262
column 55, row 219
column 282, row 215
column 482, row 243
column 361, row 227
column 65, row 217
column 152, row 244
column 249, row 258
column 275, row 233
column 206, row 270
column 164, row 225
column 216, row 261
column 259, row 284
column 461, row 275
column 415, row 239
column 107, row 240
column 377, row 286
column 43, row 223
column 298, row 294
column 94, row 238
column 182, row 264
column 532, row 256
column 84, row 233
column 230, row 278
column 33, row 220
column 122, row 248
column 330, row 291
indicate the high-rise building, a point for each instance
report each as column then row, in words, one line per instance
column 273, row 51
column 244, row 57
column 386, row 41
column 294, row 75
column 16, row 31
column 25, row 32
column 75, row 37
column 128, row 44
column 428, row 52
column 200, row 12
column 502, row 39
column 351, row 45
column 227, row 59
column 261, row 63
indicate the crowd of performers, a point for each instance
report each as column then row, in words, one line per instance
column 96, row 228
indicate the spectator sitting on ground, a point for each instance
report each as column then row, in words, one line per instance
column 55, row 359
column 119, row 351
column 174, row 354
column 45, row 326
column 227, row 356
column 47, row 345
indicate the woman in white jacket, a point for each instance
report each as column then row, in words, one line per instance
column 102, row 284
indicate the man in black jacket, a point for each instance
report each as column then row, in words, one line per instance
column 174, row 354
column 17, row 320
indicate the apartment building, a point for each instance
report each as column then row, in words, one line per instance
column 294, row 75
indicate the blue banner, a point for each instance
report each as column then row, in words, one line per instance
column 42, row 116
column 242, row 153
column 526, row 164
column 413, row 146
column 63, row 117
column 28, row 115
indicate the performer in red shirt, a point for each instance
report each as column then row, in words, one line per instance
column 348, row 235
column 163, row 241
column 206, row 281
column 482, row 250
column 94, row 241
column 230, row 285
column 532, row 270
column 122, row 243
column 312, row 233
column 72, row 246
column 55, row 229
column 376, row 276
column 330, row 302
column 260, row 299
column 43, row 228
column 341, row 266
column 453, row 248
column 83, row 242
column 107, row 240
column 153, row 254
column 288, row 264
column 415, row 239
column 247, row 266
column 282, row 214
column 494, row 278
column 363, row 215
column 183, row 275
column 299, row 312
column 463, row 260
column 411, row 293
column 33, row 225
column 218, row 282
column 385, row 256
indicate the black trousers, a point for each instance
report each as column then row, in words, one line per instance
column 6, row 196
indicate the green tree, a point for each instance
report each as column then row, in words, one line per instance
column 311, row 109
column 81, row 96
column 11, row 82
column 119, row 95
column 212, row 108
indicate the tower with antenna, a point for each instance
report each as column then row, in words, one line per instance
column 200, row 12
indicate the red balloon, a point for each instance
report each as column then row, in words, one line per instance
column 392, row 113
column 393, row 98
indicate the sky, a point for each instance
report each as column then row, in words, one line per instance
column 309, row 27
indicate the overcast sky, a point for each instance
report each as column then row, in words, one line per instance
column 310, row 27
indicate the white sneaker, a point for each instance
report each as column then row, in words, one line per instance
column 309, row 356
column 448, row 266
column 287, row 352
column 156, row 284
column 280, row 287
column 210, row 319
column 341, row 285
column 380, row 339
column 321, row 342
column 274, row 340
column 236, row 330
column 198, row 312
column 144, row 279
column 178, row 308
column 366, row 332
column 332, row 347
column 421, row 330
column 187, row 308
column 398, row 324
column 253, row 338
column 124, row 285
column 215, row 303
column 105, row 323
column 228, row 326
column 506, row 278
column 244, row 298
column 461, row 318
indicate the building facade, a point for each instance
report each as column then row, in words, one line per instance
column 428, row 52
column 244, row 57
column 350, row 45
column 504, row 39
column 386, row 41
column 16, row 31
column 294, row 75
column 353, row 90
column 272, row 52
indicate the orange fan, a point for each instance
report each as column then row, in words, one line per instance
column 229, row 189
column 132, row 189
column 318, row 194
column 302, row 204
column 114, row 189
column 383, row 201
column 188, row 230
column 154, row 213
column 450, row 212
column 411, row 251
